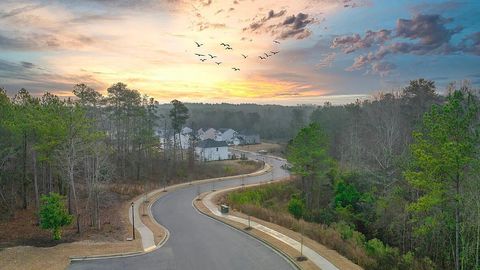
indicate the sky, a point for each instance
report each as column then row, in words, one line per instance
column 328, row 50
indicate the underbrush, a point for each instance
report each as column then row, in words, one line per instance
column 270, row 202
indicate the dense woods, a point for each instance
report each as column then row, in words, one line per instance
column 273, row 122
column 406, row 171
column 395, row 179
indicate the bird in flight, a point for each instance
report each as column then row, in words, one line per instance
column 267, row 55
column 212, row 56
column 224, row 44
column 197, row 54
column 236, row 69
column 203, row 60
column 261, row 57
column 244, row 56
column 274, row 52
column 278, row 42
column 228, row 48
column 198, row 44
column 218, row 63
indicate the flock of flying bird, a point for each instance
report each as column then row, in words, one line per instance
column 227, row 47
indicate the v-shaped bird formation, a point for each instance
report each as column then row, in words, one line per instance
column 203, row 57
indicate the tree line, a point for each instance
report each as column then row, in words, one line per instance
column 402, row 169
column 78, row 147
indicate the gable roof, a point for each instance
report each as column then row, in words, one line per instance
column 209, row 143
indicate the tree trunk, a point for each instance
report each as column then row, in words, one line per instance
column 35, row 184
column 50, row 183
column 477, row 246
column 24, row 176
column 457, row 223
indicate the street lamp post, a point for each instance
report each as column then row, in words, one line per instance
column 248, row 227
column 133, row 221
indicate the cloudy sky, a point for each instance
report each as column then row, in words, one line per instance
column 336, row 50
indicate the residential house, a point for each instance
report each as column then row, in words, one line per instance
column 209, row 149
column 182, row 139
column 210, row 133
column 249, row 138
column 227, row 134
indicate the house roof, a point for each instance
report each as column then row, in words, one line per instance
column 223, row 130
column 209, row 143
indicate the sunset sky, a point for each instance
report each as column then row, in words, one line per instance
column 336, row 50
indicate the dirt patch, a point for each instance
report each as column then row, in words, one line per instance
column 57, row 257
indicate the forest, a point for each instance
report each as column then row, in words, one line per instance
column 395, row 177
column 80, row 146
column 396, row 174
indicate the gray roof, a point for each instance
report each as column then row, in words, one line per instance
column 209, row 143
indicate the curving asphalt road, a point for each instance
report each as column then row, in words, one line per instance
column 197, row 241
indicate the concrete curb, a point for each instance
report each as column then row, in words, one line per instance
column 104, row 256
column 275, row 249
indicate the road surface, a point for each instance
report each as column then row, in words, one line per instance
column 197, row 241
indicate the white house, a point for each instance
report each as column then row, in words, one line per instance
column 237, row 141
column 182, row 139
column 186, row 130
column 209, row 149
column 227, row 134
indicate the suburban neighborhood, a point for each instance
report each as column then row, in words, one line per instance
column 209, row 143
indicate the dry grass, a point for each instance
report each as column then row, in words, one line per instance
column 271, row 148
column 319, row 233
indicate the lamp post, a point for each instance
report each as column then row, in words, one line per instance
column 133, row 221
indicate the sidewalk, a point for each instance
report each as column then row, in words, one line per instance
column 317, row 259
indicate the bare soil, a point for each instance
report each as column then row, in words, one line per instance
column 57, row 257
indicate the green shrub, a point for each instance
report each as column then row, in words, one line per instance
column 296, row 207
column 53, row 214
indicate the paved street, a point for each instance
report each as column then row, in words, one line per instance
column 199, row 242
